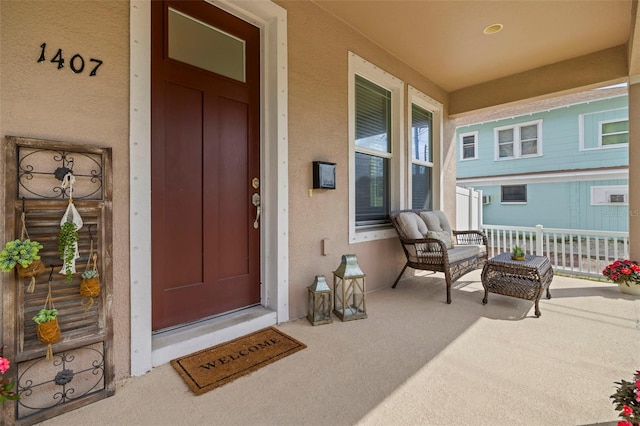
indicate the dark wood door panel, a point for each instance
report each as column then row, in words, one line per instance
column 205, row 153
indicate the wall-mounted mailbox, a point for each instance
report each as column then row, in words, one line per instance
column 324, row 175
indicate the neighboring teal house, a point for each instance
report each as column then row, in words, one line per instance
column 560, row 166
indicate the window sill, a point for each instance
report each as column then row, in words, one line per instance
column 371, row 233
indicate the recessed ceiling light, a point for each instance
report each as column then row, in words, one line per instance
column 493, row 28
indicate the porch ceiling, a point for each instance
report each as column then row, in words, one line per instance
column 444, row 41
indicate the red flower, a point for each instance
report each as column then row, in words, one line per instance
column 4, row 365
column 617, row 263
column 624, row 423
column 626, row 271
column 627, row 411
column 635, row 268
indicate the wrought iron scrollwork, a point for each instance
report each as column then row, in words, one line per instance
column 36, row 166
column 73, row 374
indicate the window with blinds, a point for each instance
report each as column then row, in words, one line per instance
column 422, row 157
column 373, row 152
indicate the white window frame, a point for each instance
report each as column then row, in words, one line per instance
column 475, row 145
column 416, row 97
column 376, row 75
column 600, row 195
column 600, row 134
column 581, row 130
column 516, row 141
column 526, row 194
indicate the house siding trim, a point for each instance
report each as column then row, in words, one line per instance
column 562, row 176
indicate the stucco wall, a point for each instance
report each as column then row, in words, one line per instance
column 41, row 101
column 318, row 130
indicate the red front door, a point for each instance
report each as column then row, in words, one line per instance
column 205, row 160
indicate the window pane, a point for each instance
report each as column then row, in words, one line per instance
column 421, row 197
column 506, row 150
column 529, row 147
column 468, row 147
column 505, row 135
column 372, row 189
column 421, row 134
column 201, row 45
column 468, row 152
column 529, row 132
column 617, row 127
column 615, row 139
column 373, row 116
column 514, row 193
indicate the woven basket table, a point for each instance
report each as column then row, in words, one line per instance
column 525, row 279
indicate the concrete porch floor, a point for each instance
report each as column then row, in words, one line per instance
column 418, row 361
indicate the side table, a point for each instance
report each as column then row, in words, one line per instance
column 524, row 279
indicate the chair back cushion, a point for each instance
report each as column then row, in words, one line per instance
column 412, row 225
column 439, row 228
column 436, row 221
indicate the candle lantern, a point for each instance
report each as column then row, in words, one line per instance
column 319, row 302
column 349, row 289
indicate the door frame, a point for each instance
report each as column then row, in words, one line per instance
column 146, row 350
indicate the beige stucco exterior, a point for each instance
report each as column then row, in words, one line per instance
column 38, row 100
column 318, row 130
column 41, row 101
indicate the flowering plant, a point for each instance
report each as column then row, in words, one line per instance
column 6, row 386
column 627, row 400
column 623, row 272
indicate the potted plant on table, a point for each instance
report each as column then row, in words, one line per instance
column 625, row 273
column 517, row 253
column 627, row 401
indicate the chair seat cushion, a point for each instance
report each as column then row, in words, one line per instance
column 462, row 252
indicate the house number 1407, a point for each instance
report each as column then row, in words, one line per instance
column 76, row 63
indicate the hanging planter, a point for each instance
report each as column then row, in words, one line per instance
column 22, row 255
column 69, row 225
column 90, row 284
column 47, row 326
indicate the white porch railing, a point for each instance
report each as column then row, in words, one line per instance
column 573, row 251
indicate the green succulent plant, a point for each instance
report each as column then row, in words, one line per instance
column 19, row 252
column 45, row 315
column 90, row 274
column 517, row 252
column 68, row 237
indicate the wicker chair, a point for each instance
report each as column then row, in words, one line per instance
column 430, row 244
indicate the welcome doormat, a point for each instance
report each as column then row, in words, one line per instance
column 220, row 364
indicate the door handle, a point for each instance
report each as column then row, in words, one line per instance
column 255, row 200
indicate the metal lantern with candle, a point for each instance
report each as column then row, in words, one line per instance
column 319, row 302
column 349, row 289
